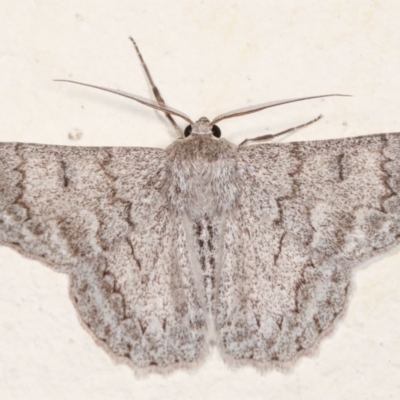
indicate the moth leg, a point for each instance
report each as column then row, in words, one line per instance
column 154, row 88
column 269, row 137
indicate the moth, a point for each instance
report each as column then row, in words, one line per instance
column 249, row 248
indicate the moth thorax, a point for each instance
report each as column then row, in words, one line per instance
column 203, row 176
column 205, row 190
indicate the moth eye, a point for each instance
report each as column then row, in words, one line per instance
column 216, row 131
column 188, row 131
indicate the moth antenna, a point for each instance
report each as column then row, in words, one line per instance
column 140, row 99
column 259, row 107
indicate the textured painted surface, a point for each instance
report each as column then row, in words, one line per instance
column 227, row 57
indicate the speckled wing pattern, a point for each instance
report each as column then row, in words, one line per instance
column 98, row 215
column 171, row 251
column 308, row 212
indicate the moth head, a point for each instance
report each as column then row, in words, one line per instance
column 203, row 127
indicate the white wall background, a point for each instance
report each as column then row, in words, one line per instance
column 207, row 57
